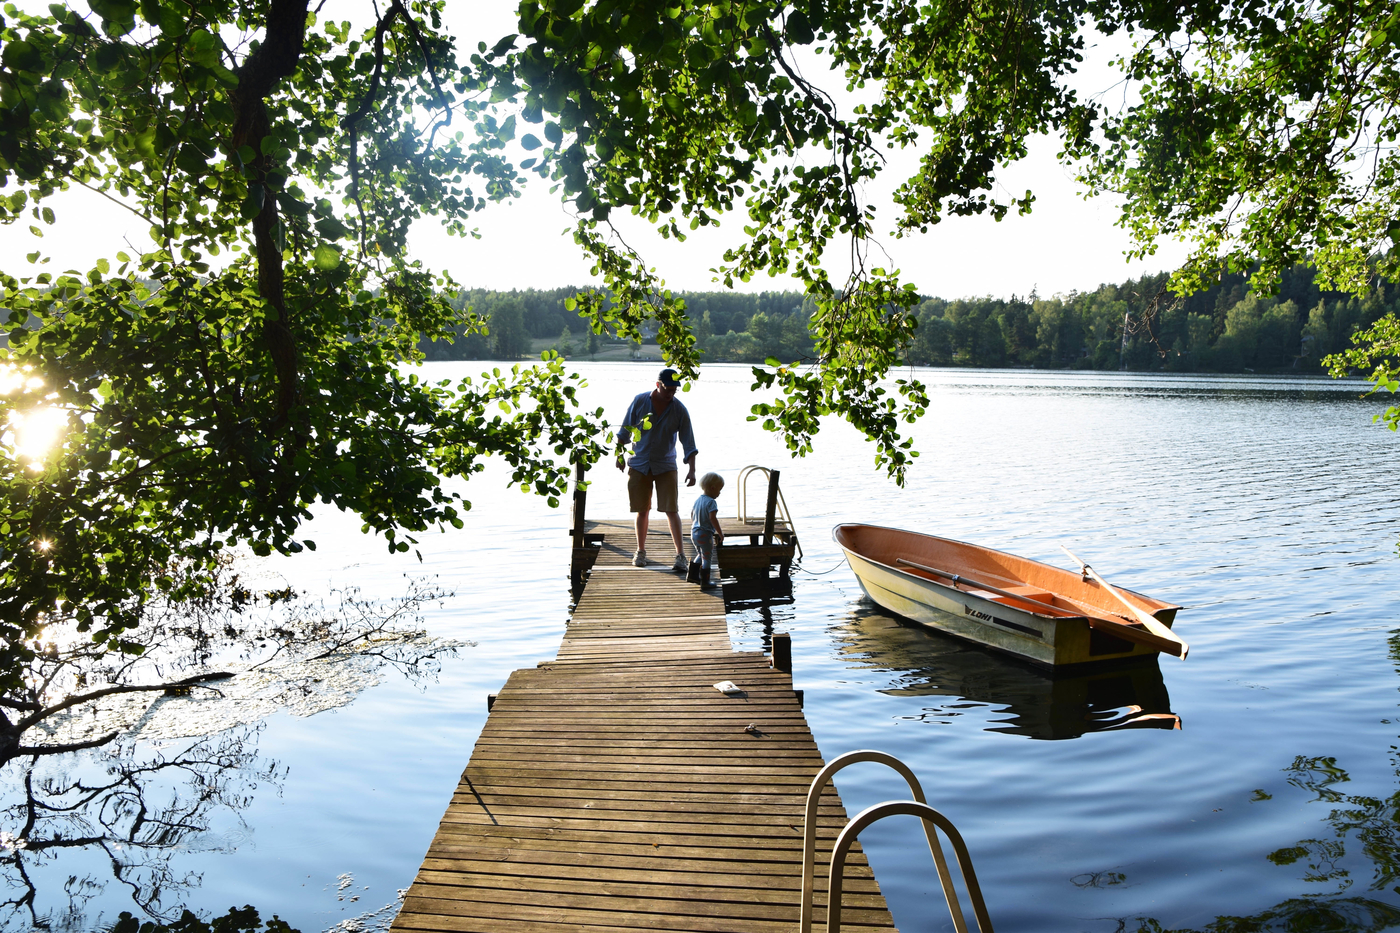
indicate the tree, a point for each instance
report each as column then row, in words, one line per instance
column 210, row 405
column 507, row 328
column 1262, row 133
column 1377, row 349
column 197, row 407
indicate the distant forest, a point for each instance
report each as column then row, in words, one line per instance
column 1227, row 328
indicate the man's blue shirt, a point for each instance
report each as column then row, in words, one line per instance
column 655, row 451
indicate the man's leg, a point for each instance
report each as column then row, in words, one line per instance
column 666, row 502
column 639, row 498
column 643, row 522
column 674, row 520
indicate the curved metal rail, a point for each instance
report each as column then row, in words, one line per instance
column 932, row 819
column 741, row 498
column 929, row 815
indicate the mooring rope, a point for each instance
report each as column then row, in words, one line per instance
column 817, row 573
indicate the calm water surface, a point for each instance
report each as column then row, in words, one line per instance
column 1261, row 505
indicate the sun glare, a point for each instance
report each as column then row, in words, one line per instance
column 13, row 378
column 37, row 431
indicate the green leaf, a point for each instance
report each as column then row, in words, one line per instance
column 326, row 257
column 20, row 55
column 331, row 228
column 106, row 57
column 799, row 29
column 253, row 202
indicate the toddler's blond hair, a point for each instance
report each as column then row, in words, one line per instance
column 711, row 484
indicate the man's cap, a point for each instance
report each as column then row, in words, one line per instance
column 668, row 378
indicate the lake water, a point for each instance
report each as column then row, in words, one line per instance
column 1260, row 505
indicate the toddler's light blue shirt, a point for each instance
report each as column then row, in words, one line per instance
column 700, row 514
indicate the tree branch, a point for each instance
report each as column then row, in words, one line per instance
column 80, row 699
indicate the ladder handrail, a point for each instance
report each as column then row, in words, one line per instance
column 927, row 815
column 809, row 835
column 741, row 497
column 741, row 500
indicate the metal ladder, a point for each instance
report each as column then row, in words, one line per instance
column 741, row 498
column 932, row 822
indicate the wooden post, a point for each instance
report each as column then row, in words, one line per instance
column 580, row 501
column 782, row 652
column 771, row 512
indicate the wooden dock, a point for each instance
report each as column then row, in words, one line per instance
column 615, row 790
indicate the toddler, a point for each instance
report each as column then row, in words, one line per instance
column 704, row 528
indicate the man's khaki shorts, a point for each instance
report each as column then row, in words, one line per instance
column 639, row 491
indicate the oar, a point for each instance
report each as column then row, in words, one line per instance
column 957, row 579
column 1120, row 629
column 1148, row 621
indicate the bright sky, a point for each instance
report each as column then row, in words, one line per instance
column 1066, row 244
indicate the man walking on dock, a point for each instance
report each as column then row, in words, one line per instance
column 653, row 421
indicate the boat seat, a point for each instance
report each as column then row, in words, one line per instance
column 1030, row 592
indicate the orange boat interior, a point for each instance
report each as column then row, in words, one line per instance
column 1039, row 586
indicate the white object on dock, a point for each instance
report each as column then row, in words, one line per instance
column 729, row 688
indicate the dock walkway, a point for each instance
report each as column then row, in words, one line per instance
column 615, row 790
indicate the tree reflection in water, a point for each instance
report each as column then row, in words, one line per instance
column 132, row 810
column 1374, row 822
column 76, row 802
column 1296, row 915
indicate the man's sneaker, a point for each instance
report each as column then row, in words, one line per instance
column 639, row 559
column 680, row 564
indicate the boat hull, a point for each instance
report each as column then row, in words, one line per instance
column 1045, row 640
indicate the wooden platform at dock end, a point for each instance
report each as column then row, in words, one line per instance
column 615, row 790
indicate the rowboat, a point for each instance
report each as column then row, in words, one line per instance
column 1043, row 614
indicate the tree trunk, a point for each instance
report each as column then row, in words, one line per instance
column 276, row 58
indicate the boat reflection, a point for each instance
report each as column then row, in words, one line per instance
column 1039, row 705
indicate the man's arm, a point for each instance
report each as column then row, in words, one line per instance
column 624, row 435
column 688, row 444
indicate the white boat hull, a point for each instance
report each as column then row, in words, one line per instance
column 1043, row 640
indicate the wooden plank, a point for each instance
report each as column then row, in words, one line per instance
column 438, row 898
column 614, row 790
column 631, row 860
column 783, row 894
